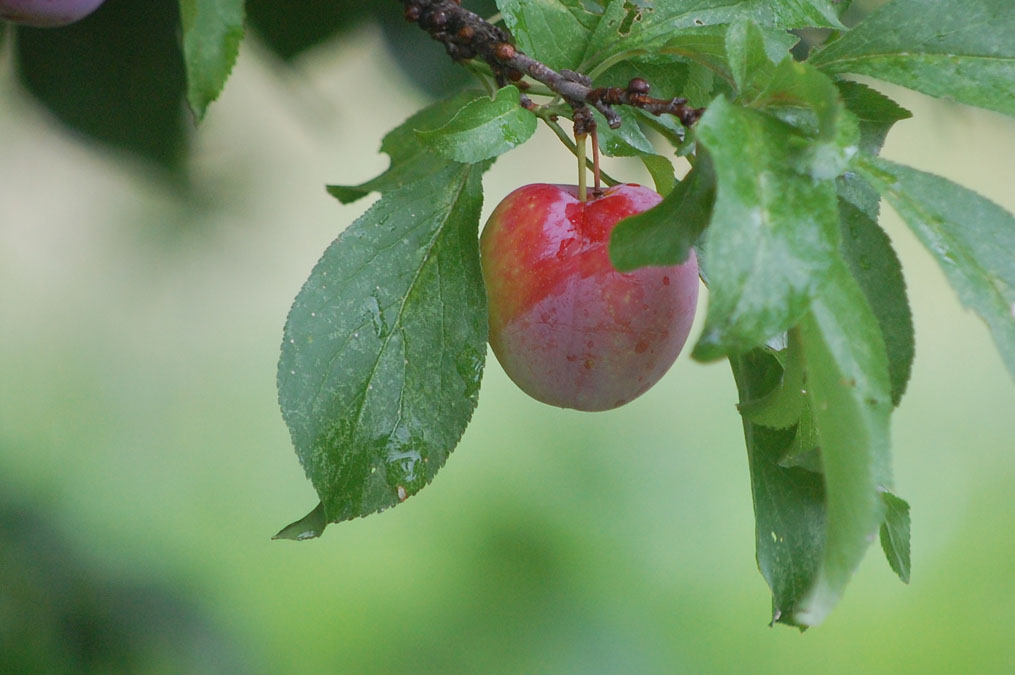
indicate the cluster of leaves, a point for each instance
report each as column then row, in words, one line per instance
column 807, row 298
column 384, row 347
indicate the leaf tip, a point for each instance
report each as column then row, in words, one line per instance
column 309, row 526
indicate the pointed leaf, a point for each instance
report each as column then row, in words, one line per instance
column 483, row 129
column 876, row 113
column 848, row 387
column 212, row 32
column 750, row 65
column 895, row 535
column 384, row 347
column 411, row 161
column 789, row 502
column 309, row 526
column 962, row 50
column 971, row 237
column 877, row 269
column 665, row 234
column 773, row 235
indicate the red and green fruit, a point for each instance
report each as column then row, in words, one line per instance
column 47, row 13
column 567, row 327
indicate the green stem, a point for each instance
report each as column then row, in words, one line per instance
column 583, row 190
column 569, row 144
column 611, row 61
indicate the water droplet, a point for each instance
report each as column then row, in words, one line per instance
column 469, row 364
column 313, row 313
column 373, row 309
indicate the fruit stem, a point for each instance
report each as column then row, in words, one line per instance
column 570, row 145
column 595, row 163
column 582, row 177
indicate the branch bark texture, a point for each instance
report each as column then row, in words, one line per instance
column 466, row 35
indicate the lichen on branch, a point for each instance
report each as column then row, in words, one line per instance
column 467, row 35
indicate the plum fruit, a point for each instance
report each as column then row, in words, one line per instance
column 47, row 13
column 567, row 327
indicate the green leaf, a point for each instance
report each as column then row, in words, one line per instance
column 482, row 129
column 384, row 347
column 848, row 387
column 627, row 141
column 895, row 535
column 750, row 65
column 116, row 77
column 212, row 32
column 789, row 502
column 309, row 526
column 625, row 27
column 773, row 235
column 876, row 113
column 798, row 85
column 961, row 50
column 552, row 31
column 971, row 237
column 411, row 161
column 876, row 268
column 661, row 170
column 665, row 234
column 781, row 408
column 720, row 50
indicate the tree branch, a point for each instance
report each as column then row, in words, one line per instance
column 466, row 36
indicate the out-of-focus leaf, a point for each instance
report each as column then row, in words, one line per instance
column 482, row 129
column 665, row 234
column 291, row 28
column 117, row 77
column 961, row 50
column 423, row 62
column 411, row 161
column 212, row 32
column 895, row 535
column 383, row 350
column 774, row 231
column 553, row 32
column 877, row 270
column 849, row 391
column 971, row 237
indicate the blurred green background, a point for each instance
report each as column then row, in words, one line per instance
column 144, row 463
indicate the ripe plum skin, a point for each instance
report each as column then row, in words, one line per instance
column 47, row 13
column 566, row 326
